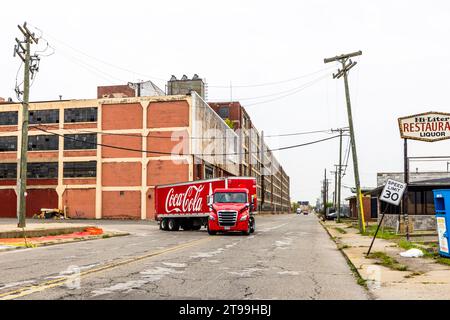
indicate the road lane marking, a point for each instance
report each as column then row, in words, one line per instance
column 27, row 290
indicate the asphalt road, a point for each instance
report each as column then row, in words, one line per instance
column 289, row 257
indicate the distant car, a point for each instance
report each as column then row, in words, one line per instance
column 331, row 214
column 305, row 212
column 299, row 211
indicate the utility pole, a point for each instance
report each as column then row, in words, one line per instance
column 339, row 170
column 31, row 65
column 325, row 194
column 335, row 188
column 343, row 59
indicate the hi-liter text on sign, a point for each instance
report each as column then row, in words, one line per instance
column 429, row 126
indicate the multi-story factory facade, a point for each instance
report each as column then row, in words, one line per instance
column 102, row 158
column 256, row 159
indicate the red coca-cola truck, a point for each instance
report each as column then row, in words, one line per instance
column 221, row 205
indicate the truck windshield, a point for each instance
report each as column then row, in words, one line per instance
column 230, row 197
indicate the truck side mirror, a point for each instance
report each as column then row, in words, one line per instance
column 209, row 199
column 253, row 203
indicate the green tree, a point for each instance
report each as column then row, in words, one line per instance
column 294, row 206
column 229, row 123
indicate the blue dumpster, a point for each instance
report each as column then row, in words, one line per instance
column 442, row 208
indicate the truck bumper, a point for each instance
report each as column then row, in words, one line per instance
column 240, row 226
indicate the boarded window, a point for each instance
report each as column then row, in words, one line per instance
column 80, row 169
column 42, row 170
column 80, row 114
column 8, row 171
column 8, row 144
column 8, row 118
column 80, row 141
column 43, row 142
column 44, row 116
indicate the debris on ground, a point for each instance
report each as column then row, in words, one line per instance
column 412, row 253
column 55, row 214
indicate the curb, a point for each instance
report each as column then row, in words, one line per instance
column 41, row 232
column 65, row 241
column 350, row 263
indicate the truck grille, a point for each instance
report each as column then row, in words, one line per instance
column 227, row 218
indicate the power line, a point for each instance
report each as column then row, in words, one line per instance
column 271, row 83
column 159, row 78
column 137, row 135
column 277, row 93
column 178, row 154
column 306, row 85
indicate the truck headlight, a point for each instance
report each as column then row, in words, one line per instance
column 244, row 217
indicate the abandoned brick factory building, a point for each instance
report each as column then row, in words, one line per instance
column 102, row 158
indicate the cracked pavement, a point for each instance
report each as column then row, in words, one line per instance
column 289, row 257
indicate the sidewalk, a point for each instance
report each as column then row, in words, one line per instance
column 48, row 232
column 401, row 278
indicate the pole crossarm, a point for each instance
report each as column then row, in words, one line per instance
column 343, row 57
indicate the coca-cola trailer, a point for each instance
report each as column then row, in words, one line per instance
column 221, row 205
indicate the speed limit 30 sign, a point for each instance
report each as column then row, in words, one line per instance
column 393, row 192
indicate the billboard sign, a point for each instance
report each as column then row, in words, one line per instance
column 429, row 126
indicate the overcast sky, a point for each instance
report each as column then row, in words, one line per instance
column 404, row 68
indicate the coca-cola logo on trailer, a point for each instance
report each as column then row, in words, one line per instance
column 189, row 201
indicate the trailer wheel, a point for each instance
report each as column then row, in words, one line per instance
column 173, row 225
column 163, row 225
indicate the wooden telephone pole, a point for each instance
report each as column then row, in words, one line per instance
column 347, row 64
column 31, row 65
column 339, row 174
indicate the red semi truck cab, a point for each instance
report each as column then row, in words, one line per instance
column 221, row 205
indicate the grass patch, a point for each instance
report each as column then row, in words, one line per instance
column 387, row 261
column 443, row 260
column 106, row 236
column 383, row 233
column 414, row 274
column 340, row 230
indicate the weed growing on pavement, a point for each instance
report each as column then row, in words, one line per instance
column 387, row 261
column 385, row 233
column 106, row 236
column 443, row 260
column 340, row 230
column 414, row 274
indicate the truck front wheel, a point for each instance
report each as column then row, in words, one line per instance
column 248, row 231
column 211, row 233
column 252, row 225
column 173, row 225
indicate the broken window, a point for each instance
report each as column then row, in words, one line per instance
column 80, row 141
column 80, row 169
column 43, row 142
column 9, row 118
column 8, row 144
column 44, row 116
column 8, row 170
column 224, row 112
column 80, row 114
column 42, row 170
